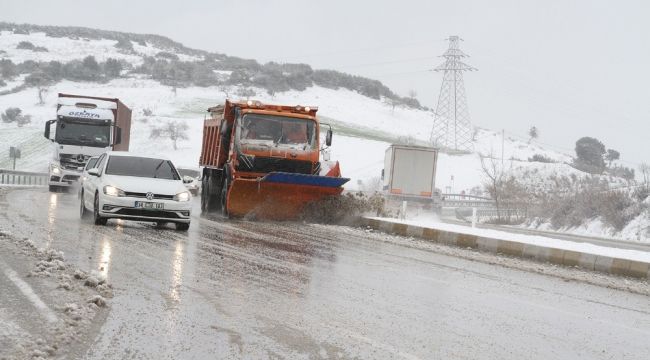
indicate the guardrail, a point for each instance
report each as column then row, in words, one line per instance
column 511, row 214
column 27, row 178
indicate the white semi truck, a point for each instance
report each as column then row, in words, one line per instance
column 85, row 126
column 409, row 174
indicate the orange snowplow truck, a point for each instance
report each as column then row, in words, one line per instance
column 263, row 160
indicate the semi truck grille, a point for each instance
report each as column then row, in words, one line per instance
column 72, row 161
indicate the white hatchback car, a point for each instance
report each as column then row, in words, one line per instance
column 142, row 188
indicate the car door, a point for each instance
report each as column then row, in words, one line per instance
column 93, row 182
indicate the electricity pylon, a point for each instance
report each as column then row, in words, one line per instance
column 452, row 127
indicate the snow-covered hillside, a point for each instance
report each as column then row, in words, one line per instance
column 364, row 127
column 65, row 49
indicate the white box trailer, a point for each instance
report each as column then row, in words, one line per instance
column 410, row 174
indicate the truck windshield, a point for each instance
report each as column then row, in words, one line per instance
column 141, row 167
column 273, row 130
column 71, row 131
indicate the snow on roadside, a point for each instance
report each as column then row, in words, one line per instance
column 75, row 301
column 529, row 239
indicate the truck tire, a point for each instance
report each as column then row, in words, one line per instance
column 211, row 191
column 224, row 196
column 99, row 220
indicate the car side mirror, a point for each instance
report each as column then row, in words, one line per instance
column 94, row 172
column 328, row 138
column 48, row 124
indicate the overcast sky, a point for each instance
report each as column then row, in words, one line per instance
column 571, row 68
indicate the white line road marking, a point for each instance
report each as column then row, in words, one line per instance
column 29, row 293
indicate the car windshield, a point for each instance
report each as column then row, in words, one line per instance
column 273, row 130
column 189, row 172
column 70, row 131
column 141, row 167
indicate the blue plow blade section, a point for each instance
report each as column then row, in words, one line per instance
column 303, row 179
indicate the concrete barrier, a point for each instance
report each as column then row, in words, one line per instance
column 587, row 261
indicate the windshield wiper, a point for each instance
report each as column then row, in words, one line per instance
column 155, row 174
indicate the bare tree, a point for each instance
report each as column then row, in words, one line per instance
column 225, row 90
column 533, row 133
column 392, row 103
column 41, row 94
column 644, row 169
column 173, row 130
column 246, row 93
column 495, row 179
column 413, row 94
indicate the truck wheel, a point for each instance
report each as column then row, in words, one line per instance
column 182, row 226
column 99, row 220
column 210, row 200
column 83, row 212
column 205, row 194
column 224, row 196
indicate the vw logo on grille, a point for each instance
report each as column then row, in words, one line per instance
column 149, row 196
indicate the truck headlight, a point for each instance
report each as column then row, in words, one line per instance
column 113, row 191
column 56, row 170
column 184, row 196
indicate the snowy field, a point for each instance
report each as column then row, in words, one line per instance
column 361, row 121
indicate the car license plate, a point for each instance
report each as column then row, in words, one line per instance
column 149, row 205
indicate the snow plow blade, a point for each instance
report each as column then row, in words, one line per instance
column 278, row 195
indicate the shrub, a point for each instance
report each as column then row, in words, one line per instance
column 589, row 152
column 124, row 44
column 14, row 114
column 540, row 158
column 622, row 172
column 167, row 55
column 112, row 68
column 25, row 45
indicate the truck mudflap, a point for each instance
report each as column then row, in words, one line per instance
column 278, row 195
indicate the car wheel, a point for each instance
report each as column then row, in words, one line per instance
column 83, row 212
column 53, row 188
column 182, row 226
column 99, row 220
column 161, row 224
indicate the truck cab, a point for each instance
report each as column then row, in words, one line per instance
column 84, row 127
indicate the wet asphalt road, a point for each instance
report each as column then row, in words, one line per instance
column 237, row 289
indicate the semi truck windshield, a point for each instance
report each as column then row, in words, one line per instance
column 83, row 133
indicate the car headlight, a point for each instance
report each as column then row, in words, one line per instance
column 184, row 196
column 113, row 191
column 56, row 170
